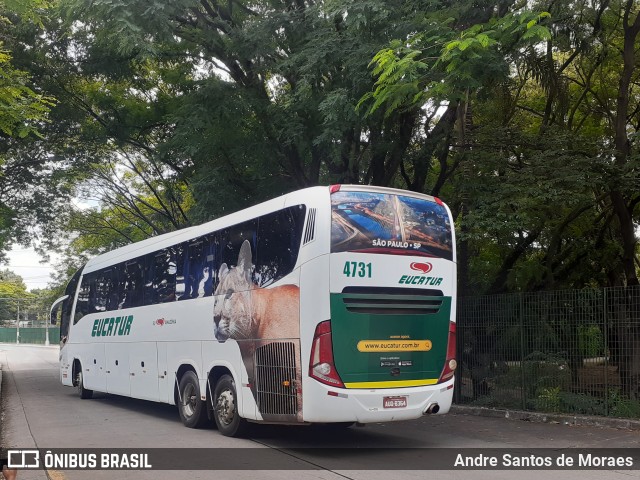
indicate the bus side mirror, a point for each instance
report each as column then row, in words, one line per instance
column 53, row 313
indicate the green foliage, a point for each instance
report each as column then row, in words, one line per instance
column 479, row 53
column 13, row 293
column 581, row 404
column 236, row 103
column 28, row 187
column 556, row 400
column 27, row 9
column 413, row 72
column 398, row 71
column 12, row 285
column 548, row 399
column 590, row 341
column 530, row 144
column 622, row 406
column 615, row 405
column 20, row 107
column 543, row 374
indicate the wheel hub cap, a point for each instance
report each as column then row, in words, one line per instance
column 225, row 407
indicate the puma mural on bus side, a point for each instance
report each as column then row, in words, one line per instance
column 244, row 311
column 257, row 317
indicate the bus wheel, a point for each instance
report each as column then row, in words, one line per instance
column 225, row 408
column 193, row 411
column 83, row 393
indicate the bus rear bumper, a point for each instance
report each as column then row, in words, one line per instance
column 323, row 404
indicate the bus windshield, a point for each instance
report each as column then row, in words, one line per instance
column 389, row 224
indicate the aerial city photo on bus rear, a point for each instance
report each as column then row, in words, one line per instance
column 326, row 305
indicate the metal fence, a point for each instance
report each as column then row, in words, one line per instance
column 30, row 335
column 574, row 351
column 24, row 320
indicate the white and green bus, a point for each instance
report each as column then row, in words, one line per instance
column 326, row 305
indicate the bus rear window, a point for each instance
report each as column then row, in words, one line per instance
column 389, row 224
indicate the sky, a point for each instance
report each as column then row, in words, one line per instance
column 26, row 263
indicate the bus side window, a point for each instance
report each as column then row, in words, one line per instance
column 84, row 304
column 67, row 305
column 231, row 239
column 194, row 268
column 133, row 287
column 109, row 289
column 149, row 262
column 160, row 277
column 96, row 294
column 199, row 267
column 130, row 284
column 279, row 237
column 212, row 263
column 181, row 258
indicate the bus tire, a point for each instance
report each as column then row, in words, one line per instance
column 193, row 410
column 225, row 408
column 83, row 393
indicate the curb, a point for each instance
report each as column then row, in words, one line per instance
column 564, row 419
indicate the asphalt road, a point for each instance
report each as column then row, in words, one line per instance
column 40, row 412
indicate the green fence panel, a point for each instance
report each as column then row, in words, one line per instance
column 54, row 335
column 30, row 335
column 7, row 335
column 37, row 335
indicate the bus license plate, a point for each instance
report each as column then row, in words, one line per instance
column 394, row 402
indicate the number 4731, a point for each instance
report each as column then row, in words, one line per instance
column 357, row 269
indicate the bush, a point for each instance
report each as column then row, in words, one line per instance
column 543, row 372
column 590, row 341
column 548, row 400
column 622, row 406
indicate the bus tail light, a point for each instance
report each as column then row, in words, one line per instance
column 450, row 364
column 321, row 365
column 334, row 188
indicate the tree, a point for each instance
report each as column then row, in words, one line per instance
column 626, row 154
column 21, row 108
column 27, row 183
column 261, row 98
column 219, row 105
column 13, row 292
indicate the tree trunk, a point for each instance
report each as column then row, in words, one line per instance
column 625, row 329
